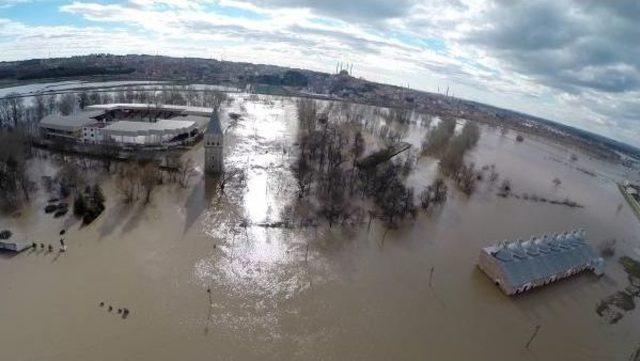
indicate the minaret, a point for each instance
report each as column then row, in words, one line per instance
column 213, row 145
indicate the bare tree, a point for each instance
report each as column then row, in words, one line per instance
column 83, row 99
column 230, row 174
column 505, row 187
column 14, row 179
column 333, row 201
column 437, row 140
column 185, row 172
column 127, row 181
column 149, row 180
column 107, row 151
column 303, row 173
column 5, row 113
column 94, row 98
column 40, row 104
column 307, row 110
column 69, row 179
column 466, row 178
column 358, row 146
column 11, row 110
column 52, row 103
column 120, row 96
column 436, row 193
column 234, row 118
column 67, row 104
column 608, row 248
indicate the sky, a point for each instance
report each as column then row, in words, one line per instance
column 572, row 61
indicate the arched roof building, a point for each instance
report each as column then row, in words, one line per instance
column 518, row 266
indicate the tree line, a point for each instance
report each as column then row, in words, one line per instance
column 332, row 138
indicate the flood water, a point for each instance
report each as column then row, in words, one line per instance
column 315, row 293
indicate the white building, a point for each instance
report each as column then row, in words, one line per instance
column 129, row 124
column 67, row 127
column 92, row 133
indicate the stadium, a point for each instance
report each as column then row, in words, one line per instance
column 128, row 125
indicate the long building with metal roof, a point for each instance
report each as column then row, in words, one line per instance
column 518, row 266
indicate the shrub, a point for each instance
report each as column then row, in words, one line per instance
column 89, row 205
column 436, row 141
column 61, row 212
column 5, row 234
column 608, row 248
column 79, row 205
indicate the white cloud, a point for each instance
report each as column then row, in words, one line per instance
column 549, row 58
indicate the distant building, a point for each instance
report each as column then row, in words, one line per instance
column 213, row 146
column 129, row 125
column 519, row 266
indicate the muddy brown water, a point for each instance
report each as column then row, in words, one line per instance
column 315, row 293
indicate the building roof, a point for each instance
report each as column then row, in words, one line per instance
column 188, row 110
column 70, row 122
column 214, row 126
column 185, row 119
column 542, row 258
column 162, row 126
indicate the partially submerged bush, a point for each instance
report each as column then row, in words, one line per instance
column 437, row 140
column 89, row 205
column 434, row 194
column 608, row 248
column 61, row 212
column 505, row 187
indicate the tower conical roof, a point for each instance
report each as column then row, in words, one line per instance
column 214, row 126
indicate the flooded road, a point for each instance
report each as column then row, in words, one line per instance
column 205, row 277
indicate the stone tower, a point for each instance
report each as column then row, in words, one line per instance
column 213, row 144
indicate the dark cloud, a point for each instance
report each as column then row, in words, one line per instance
column 569, row 45
column 531, row 26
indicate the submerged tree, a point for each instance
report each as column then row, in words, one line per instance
column 11, row 110
column 434, row 194
column 213, row 99
column 437, row 140
column 307, row 111
column 89, row 204
column 15, row 185
column 79, row 205
column 150, row 178
column 67, row 104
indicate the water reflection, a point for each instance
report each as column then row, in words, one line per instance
column 315, row 292
column 254, row 262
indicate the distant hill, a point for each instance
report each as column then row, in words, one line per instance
column 299, row 82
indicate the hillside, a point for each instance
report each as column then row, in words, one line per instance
column 299, row 82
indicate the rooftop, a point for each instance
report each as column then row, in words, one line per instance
column 214, row 126
column 71, row 121
column 201, row 111
column 162, row 125
column 183, row 118
column 542, row 258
